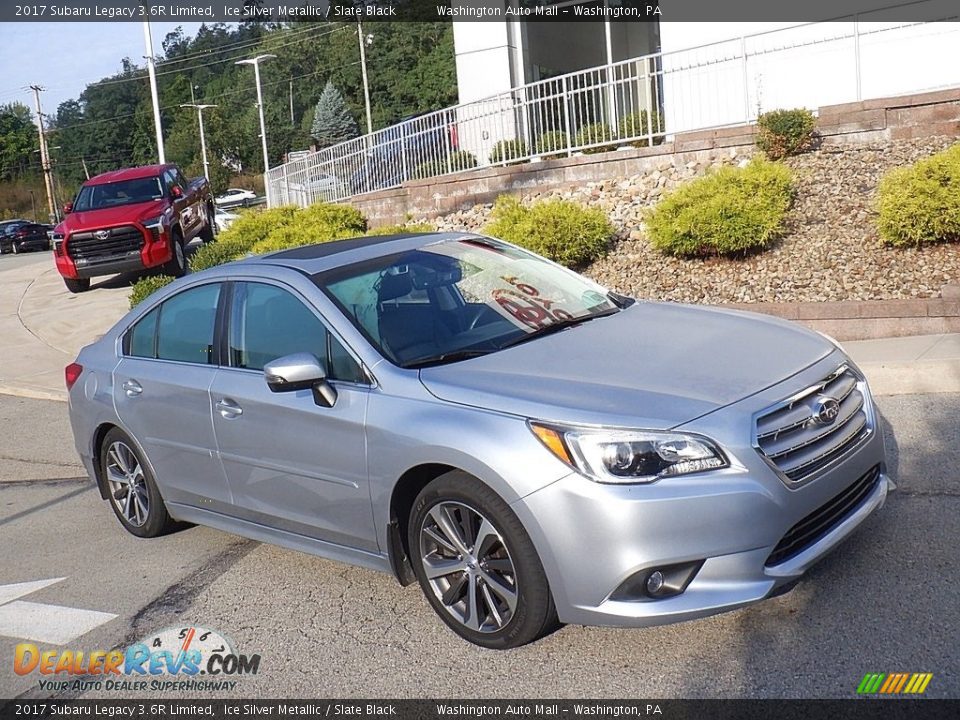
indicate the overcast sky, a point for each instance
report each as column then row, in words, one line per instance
column 64, row 57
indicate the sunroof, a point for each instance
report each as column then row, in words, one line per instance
column 321, row 250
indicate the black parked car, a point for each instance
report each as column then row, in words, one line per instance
column 18, row 236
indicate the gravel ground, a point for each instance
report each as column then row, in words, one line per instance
column 830, row 251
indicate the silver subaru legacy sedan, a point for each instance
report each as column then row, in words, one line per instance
column 530, row 447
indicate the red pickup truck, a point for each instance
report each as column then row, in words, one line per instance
column 130, row 220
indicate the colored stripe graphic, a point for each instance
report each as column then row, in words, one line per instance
column 894, row 683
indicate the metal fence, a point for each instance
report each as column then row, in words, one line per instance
column 634, row 102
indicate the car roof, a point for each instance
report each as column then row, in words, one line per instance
column 136, row 173
column 312, row 259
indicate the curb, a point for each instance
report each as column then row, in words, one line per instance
column 33, row 393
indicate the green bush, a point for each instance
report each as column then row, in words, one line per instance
column 146, row 286
column 219, row 252
column 728, row 211
column 635, row 124
column 507, row 150
column 561, row 230
column 454, row 162
column 553, row 144
column 594, row 133
column 920, row 203
column 785, row 132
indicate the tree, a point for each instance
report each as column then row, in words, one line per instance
column 332, row 120
column 18, row 140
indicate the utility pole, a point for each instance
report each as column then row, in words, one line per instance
column 255, row 61
column 45, row 157
column 292, row 121
column 152, row 72
column 203, row 140
column 363, row 69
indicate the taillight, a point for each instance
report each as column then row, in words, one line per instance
column 71, row 374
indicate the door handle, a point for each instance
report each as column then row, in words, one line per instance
column 132, row 388
column 229, row 409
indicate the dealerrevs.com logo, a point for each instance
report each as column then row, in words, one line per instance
column 189, row 658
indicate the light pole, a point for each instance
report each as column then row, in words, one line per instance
column 255, row 61
column 152, row 72
column 203, row 140
column 364, row 41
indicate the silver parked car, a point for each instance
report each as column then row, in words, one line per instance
column 451, row 409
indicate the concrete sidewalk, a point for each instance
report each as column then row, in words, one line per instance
column 42, row 327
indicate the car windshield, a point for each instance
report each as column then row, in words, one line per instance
column 456, row 299
column 125, row 192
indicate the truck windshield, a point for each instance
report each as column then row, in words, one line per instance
column 125, row 192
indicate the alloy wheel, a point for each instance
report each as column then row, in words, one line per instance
column 128, row 485
column 468, row 566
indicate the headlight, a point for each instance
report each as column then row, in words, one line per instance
column 154, row 225
column 57, row 239
column 629, row 456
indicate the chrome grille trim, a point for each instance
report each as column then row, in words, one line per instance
column 796, row 445
column 120, row 240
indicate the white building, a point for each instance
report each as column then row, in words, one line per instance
column 695, row 74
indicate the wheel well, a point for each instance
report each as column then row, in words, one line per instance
column 401, row 502
column 98, row 438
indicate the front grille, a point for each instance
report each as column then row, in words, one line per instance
column 798, row 443
column 120, row 241
column 824, row 519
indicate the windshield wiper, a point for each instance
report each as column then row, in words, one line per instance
column 443, row 358
column 556, row 327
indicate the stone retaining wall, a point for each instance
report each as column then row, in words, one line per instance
column 908, row 116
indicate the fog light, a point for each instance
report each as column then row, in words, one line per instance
column 658, row 583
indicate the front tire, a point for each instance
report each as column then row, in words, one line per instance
column 14, row 249
column 477, row 566
column 77, row 285
column 131, row 489
column 177, row 265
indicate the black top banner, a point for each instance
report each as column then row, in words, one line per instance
column 888, row 709
column 633, row 11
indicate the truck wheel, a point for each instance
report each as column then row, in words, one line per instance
column 209, row 232
column 177, row 265
column 77, row 286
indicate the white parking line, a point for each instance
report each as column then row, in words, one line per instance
column 9, row 593
column 48, row 623
column 39, row 622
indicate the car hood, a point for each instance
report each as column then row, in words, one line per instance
column 653, row 365
column 108, row 217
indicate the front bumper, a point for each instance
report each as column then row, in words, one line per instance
column 593, row 537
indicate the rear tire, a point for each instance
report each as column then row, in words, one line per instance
column 177, row 265
column 209, row 232
column 487, row 584
column 77, row 285
column 131, row 489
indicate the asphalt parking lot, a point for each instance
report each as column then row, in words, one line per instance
column 886, row 601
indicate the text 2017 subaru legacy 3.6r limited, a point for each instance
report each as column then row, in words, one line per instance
column 529, row 447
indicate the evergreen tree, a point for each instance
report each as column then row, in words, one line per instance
column 332, row 120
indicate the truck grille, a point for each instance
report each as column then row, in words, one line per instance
column 121, row 240
column 809, row 431
column 824, row 519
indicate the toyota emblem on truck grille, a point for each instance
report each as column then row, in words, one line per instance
column 101, row 234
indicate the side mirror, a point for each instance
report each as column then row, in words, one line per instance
column 68, row 208
column 176, row 191
column 300, row 371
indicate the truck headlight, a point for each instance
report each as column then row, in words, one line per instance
column 630, row 456
column 155, row 226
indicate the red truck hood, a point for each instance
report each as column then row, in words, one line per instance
column 109, row 217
